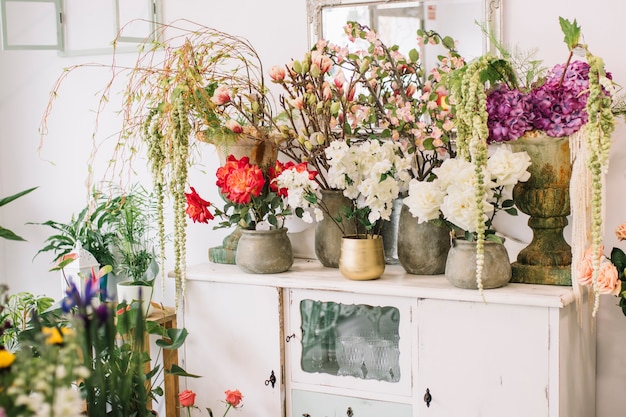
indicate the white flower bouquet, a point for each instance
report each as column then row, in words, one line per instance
column 370, row 173
column 451, row 197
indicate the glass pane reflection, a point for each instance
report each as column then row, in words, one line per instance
column 360, row 341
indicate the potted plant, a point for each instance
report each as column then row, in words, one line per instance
column 133, row 246
column 368, row 174
column 254, row 202
column 492, row 107
column 192, row 84
column 450, row 199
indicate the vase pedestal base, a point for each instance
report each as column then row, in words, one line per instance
column 537, row 274
column 226, row 253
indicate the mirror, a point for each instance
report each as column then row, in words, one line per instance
column 397, row 21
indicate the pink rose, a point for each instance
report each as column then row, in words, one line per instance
column 187, row 398
column 221, row 95
column 585, row 267
column 277, row 73
column 621, row 232
column 608, row 279
column 234, row 126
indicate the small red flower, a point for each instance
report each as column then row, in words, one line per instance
column 233, row 397
column 197, row 208
column 187, row 398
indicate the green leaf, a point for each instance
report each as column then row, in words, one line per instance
column 9, row 235
column 177, row 370
column 571, row 30
column 618, row 258
column 512, row 211
column 508, row 203
column 414, row 56
column 7, row 200
column 175, row 339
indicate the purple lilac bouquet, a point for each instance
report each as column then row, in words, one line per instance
column 557, row 107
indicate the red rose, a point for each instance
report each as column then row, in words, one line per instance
column 239, row 181
column 233, row 397
column 187, row 398
column 197, row 208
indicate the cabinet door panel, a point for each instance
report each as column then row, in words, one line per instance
column 236, row 330
column 482, row 360
column 317, row 404
column 349, row 341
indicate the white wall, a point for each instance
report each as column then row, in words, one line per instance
column 278, row 30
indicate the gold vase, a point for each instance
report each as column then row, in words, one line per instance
column 362, row 257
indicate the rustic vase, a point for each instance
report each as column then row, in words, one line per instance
column 327, row 234
column 461, row 265
column 422, row 247
column 362, row 257
column 264, row 251
column 545, row 198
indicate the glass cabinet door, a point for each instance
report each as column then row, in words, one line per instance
column 341, row 340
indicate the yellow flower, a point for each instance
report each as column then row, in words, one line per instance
column 6, row 359
column 54, row 336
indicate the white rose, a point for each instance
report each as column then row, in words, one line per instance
column 424, row 200
column 508, row 168
column 459, row 207
column 455, row 172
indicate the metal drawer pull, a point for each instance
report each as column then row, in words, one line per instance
column 271, row 380
column 291, row 336
column 349, row 413
column 427, row 398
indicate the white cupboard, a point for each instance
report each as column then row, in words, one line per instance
column 402, row 345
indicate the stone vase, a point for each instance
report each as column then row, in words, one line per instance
column 362, row 257
column 327, row 234
column 264, row 251
column 422, row 248
column 461, row 265
column 545, row 198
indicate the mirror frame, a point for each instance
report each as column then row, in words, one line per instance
column 492, row 12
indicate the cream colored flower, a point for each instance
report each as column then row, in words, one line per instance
column 424, row 200
column 507, row 168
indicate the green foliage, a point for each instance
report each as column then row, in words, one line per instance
column 572, row 31
column 91, row 227
column 17, row 309
column 6, row 233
